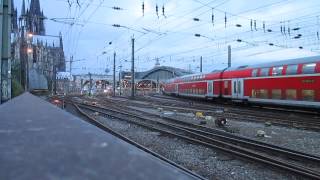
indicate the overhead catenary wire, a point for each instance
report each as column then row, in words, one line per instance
column 153, row 33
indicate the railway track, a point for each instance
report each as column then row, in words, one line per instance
column 237, row 146
column 228, row 104
column 104, row 127
column 297, row 120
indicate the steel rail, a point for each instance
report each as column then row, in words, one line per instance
column 104, row 127
column 312, row 124
column 227, row 136
column 238, row 150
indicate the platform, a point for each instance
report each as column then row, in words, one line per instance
column 41, row 141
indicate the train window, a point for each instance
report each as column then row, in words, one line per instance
column 276, row 94
column 277, row 71
column 309, row 68
column 308, row 95
column 264, row 72
column 263, row 94
column 234, row 87
column 255, row 73
column 225, row 84
column 292, row 69
column 291, row 94
column 254, row 93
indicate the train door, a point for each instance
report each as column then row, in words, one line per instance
column 210, row 89
column 176, row 88
column 237, row 88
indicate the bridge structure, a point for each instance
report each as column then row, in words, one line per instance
column 153, row 79
column 145, row 82
column 91, row 82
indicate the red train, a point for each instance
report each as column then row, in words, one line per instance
column 293, row 82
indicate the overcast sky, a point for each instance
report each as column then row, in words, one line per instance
column 171, row 38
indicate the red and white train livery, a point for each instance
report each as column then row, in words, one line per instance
column 293, row 82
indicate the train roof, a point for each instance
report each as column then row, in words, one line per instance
column 185, row 76
column 278, row 63
column 303, row 60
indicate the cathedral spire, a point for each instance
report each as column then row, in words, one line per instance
column 14, row 21
column 35, row 18
column 23, row 9
column 60, row 39
column 35, row 7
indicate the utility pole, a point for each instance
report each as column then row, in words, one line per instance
column 70, row 71
column 90, row 84
column 229, row 56
column 81, row 86
column 201, row 64
column 114, row 74
column 5, row 64
column 71, row 61
column 120, row 79
column 54, row 78
column 132, row 70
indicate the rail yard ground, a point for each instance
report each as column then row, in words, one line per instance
column 209, row 162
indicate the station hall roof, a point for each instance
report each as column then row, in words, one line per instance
column 175, row 71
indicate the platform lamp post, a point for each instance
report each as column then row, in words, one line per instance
column 29, row 52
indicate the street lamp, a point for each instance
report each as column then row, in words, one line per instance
column 29, row 50
column 30, row 35
column 200, row 35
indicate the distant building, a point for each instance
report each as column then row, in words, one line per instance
column 158, row 73
column 35, row 54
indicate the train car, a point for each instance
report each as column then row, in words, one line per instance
column 291, row 83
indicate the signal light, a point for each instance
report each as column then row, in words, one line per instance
column 196, row 19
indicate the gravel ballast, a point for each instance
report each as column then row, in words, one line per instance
column 209, row 163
